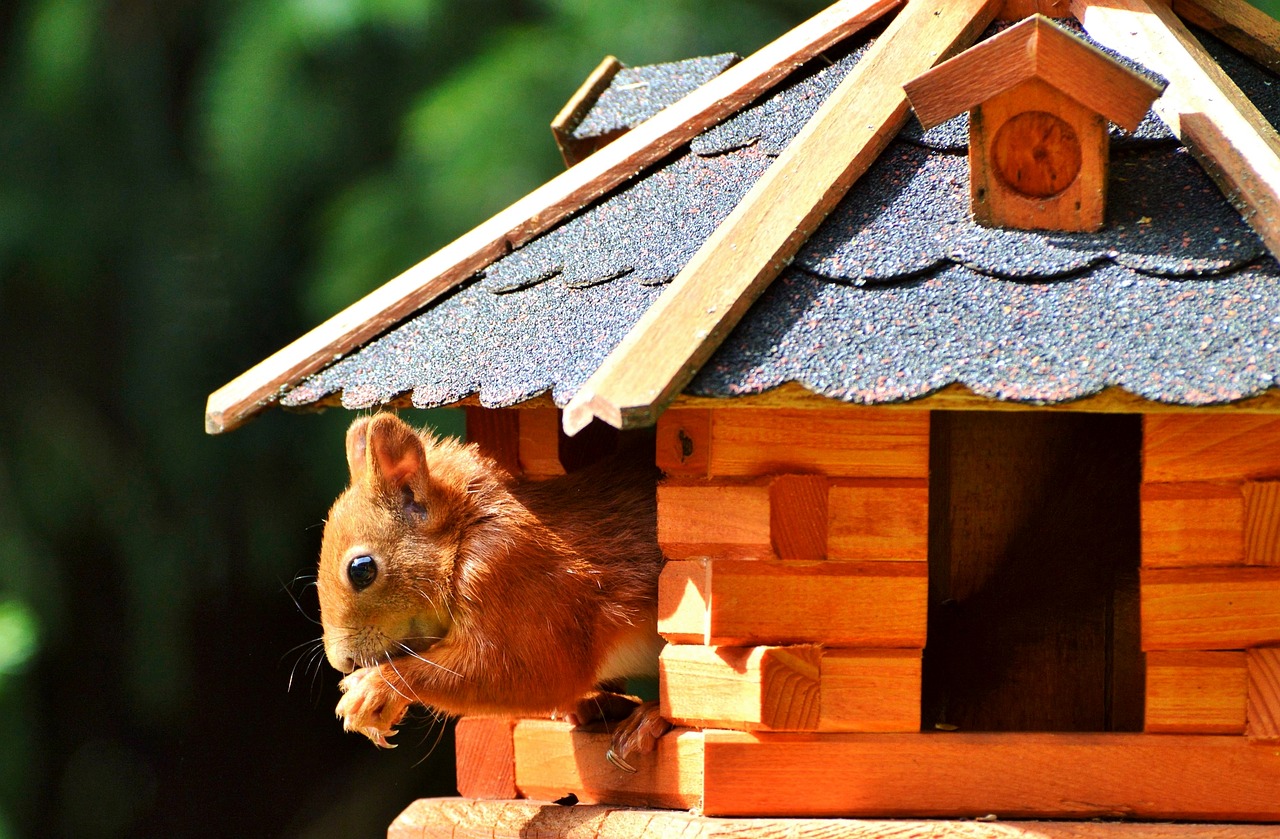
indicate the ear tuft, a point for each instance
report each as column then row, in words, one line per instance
column 394, row 452
column 356, row 455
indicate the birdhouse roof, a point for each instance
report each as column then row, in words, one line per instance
column 1036, row 48
column 895, row 296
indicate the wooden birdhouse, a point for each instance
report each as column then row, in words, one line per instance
column 960, row 522
column 1039, row 100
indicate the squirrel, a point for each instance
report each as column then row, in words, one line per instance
column 446, row 583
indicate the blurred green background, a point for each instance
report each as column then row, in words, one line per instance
column 185, row 187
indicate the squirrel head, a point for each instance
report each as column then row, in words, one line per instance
column 392, row 542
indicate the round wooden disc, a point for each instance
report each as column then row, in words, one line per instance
column 1036, row 154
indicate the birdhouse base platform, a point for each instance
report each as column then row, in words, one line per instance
column 517, row 819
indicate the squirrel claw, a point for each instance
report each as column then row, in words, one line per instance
column 618, row 762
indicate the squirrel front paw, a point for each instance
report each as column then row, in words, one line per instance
column 636, row 735
column 371, row 705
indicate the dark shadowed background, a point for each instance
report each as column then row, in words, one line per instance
column 185, row 187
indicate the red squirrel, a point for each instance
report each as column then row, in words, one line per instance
column 446, row 583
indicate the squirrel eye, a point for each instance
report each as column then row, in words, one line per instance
column 362, row 571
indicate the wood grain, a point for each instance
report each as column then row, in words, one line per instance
column 878, row 520
column 704, row 519
column 1263, row 714
column 234, row 403
column 430, row 818
column 1262, row 523
column 798, row 516
column 576, row 108
column 1143, row 776
column 1202, row 106
column 1034, row 49
column 1210, row 447
column 1210, row 608
column 497, row 433
column 754, row 602
column 799, row 688
column 555, row 758
column 858, row 443
column 540, row 443
column 685, row 325
column 1196, row 692
column 1009, row 160
column 1192, row 524
column 1240, row 24
column 684, row 442
column 1018, row 9
column 486, row 757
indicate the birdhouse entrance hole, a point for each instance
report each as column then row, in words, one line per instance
column 1033, row 570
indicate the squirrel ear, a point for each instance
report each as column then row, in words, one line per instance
column 394, row 450
column 356, row 455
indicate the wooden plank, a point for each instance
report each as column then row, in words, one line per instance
column 800, row 688
column 798, row 516
column 1240, row 24
column 497, row 432
column 1210, row 447
column 1263, row 714
column 684, row 442
column 1018, row 9
column 1138, row 776
column 1262, row 523
column 1206, row 110
column 428, row 818
column 1196, row 692
column 577, row 107
column 865, row 443
column 540, row 443
column 555, row 758
column 486, row 757
column 751, row 602
column 683, row 327
column 1192, row 524
column 1034, row 48
column 714, row 520
column 1210, row 608
column 647, row 143
column 878, row 520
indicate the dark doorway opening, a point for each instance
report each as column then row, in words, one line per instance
column 1033, row 572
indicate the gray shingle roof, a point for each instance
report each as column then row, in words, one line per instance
column 896, row 295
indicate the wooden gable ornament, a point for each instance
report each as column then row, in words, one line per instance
column 1039, row 99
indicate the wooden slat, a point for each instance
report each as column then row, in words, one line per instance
column 750, row 602
column 537, row 212
column 865, row 443
column 496, row 431
column 681, row 330
column 684, row 442
column 1210, row 447
column 486, row 757
column 1196, row 692
column 1237, row 22
column 577, row 107
column 428, row 818
column 1189, row 525
column 798, row 516
column 1262, row 523
column 974, row 775
column 555, row 758
column 1210, row 608
column 1202, row 106
column 875, row 520
column 1263, row 714
column 1018, row 9
column 714, row 520
column 540, row 443
column 799, row 688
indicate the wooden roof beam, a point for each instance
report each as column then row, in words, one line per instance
column 237, row 401
column 680, row 331
column 1211, row 115
column 1247, row 28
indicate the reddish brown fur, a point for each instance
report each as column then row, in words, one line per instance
column 527, row 587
